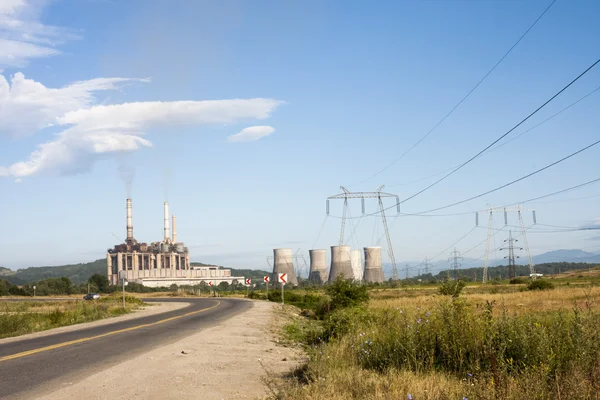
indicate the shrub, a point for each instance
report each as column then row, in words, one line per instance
column 451, row 288
column 540, row 284
column 344, row 293
column 518, row 281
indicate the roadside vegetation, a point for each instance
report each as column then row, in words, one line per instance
column 446, row 341
column 21, row 317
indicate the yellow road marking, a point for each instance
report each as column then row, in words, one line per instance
column 133, row 328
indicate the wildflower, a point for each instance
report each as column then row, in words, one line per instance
column 410, row 397
column 470, row 374
column 419, row 321
column 400, row 311
column 426, row 321
column 428, row 313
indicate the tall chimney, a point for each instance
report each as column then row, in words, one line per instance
column 174, row 229
column 129, row 221
column 167, row 238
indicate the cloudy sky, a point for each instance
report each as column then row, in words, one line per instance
column 246, row 116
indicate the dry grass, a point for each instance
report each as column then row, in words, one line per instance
column 338, row 370
column 561, row 298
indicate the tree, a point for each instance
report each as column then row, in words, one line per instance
column 100, row 282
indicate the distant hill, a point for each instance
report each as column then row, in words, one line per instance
column 80, row 273
column 6, row 271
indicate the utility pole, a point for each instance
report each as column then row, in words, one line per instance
column 512, row 268
column 455, row 265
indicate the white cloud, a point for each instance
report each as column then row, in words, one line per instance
column 23, row 36
column 92, row 132
column 27, row 106
column 251, row 134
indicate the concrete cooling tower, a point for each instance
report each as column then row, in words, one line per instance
column 340, row 263
column 356, row 262
column 373, row 268
column 283, row 262
column 318, row 266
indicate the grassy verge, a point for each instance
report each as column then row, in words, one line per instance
column 18, row 318
column 474, row 346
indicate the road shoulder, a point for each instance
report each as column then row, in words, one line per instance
column 231, row 360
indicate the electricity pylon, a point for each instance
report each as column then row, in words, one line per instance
column 512, row 268
column 506, row 210
column 379, row 195
column 455, row 265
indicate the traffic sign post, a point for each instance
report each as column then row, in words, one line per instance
column 248, row 283
column 266, row 279
column 283, row 280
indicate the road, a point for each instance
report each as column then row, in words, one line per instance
column 30, row 367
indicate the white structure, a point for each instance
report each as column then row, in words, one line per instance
column 373, row 266
column 340, row 263
column 356, row 262
column 318, row 266
column 283, row 262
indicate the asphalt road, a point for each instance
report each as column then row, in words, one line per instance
column 31, row 367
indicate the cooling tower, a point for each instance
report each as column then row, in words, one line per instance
column 373, row 267
column 318, row 266
column 283, row 262
column 356, row 262
column 340, row 263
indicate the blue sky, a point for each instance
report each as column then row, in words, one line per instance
column 332, row 91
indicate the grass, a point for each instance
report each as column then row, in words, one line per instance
column 18, row 318
column 512, row 344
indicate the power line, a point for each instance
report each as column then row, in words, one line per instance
column 505, row 134
column 508, row 141
column 462, row 100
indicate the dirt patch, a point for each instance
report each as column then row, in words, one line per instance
column 155, row 308
column 231, row 360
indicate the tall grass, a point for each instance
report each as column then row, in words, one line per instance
column 18, row 318
column 452, row 348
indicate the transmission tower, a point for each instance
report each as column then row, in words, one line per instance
column 506, row 210
column 512, row 268
column 455, row 264
column 426, row 265
column 406, row 268
column 379, row 195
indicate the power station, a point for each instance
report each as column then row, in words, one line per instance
column 162, row 263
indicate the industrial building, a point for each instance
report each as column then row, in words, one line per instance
column 160, row 263
column 344, row 261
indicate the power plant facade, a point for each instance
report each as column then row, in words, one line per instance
column 159, row 263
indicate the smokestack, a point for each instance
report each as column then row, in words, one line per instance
column 167, row 238
column 129, row 221
column 174, row 229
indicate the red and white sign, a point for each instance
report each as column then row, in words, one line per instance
column 282, row 278
column 248, row 281
column 209, row 283
column 266, row 278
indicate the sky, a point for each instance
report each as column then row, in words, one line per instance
column 246, row 115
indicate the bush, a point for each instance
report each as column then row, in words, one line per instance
column 540, row 284
column 451, row 288
column 344, row 293
column 518, row 281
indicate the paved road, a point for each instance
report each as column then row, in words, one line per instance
column 33, row 366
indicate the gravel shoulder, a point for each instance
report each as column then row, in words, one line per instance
column 223, row 362
column 154, row 308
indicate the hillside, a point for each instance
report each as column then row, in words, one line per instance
column 6, row 271
column 78, row 273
